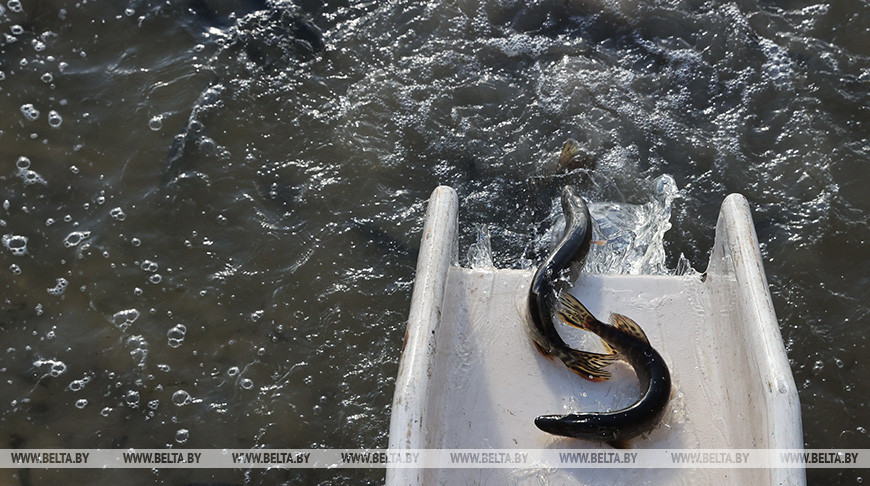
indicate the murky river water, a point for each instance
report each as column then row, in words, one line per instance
column 210, row 213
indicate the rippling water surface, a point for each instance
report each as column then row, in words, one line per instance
column 210, row 214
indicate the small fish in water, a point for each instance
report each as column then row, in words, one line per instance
column 574, row 157
column 630, row 344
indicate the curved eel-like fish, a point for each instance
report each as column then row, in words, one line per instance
column 560, row 267
column 623, row 339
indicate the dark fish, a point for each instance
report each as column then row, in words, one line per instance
column 559, row 267
column 628, row 340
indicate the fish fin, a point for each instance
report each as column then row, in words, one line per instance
column 590, row 365
column 574, row 313
column 542, row 351
column 569, row 151
column 607, row 347
column 628, row 326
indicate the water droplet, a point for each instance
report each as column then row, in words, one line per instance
column 15, row 6
column 132, row 398
column 182, row 435
column 176, row 335
column 81, row 403
column 74, row 238
column 247, row 383
column 54, row 119
column 164, row 367
column 17, row 244
column 156, row 122
column 818, row 367
column 118, row 214
column 16, row 29
column 181, row 398
column 233, row 371
column 123, row 319
column 155, row 279
column 153, row 404
column 149, row 266
column 23, row 163
column 29, row 111
column 106, row 411
column 47, row 78
column 135, row 242
column 60, row 288
column 16, row 270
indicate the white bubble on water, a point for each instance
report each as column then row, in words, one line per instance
column 154, row 404
column 57, row 367
column 233, row 371
column 138, row 349
column 16, row 29
column 181, row 398
column 31, row 177
column 129, row 12
column 164, row 367
column 77, row 385
column 132, row 399
column 54, row 119
column 155, row 279
column 38, row 45
column 182, row 435
column 16, row 270
column 117, row 214
column 149, row 266
column 17, row 244
column 176, row 335
column 81, row 403
column 135, row 241
column 29, row 111
column 47, row 78
column 60, row 287
column 125, row 318
column 74, row 238
column 246, row 383
column 49, row 221
column 74, row 169
column 106, row 411
column 22, row 163
column 15, row 6
column 156, row 122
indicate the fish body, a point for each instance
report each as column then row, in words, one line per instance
column 559, row 268
column 627, row 339
column 622, row 338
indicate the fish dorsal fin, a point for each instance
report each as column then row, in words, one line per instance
column 628, row 326
column 575, row 314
